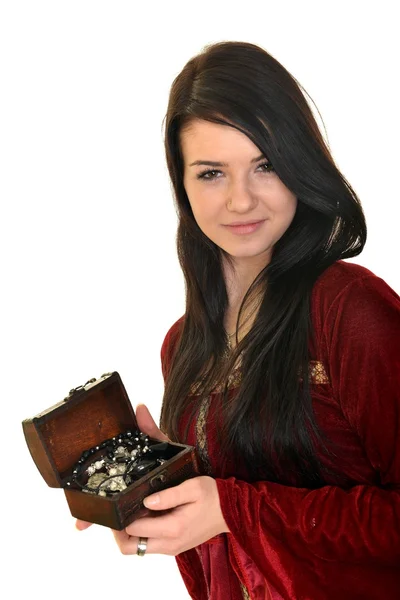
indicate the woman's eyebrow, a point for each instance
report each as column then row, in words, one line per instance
column 213, row 163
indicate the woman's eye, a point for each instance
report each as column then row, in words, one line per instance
column 269, row 167
column 204, row 174
column 208, row 175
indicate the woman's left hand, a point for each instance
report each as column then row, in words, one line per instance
column 195, row 518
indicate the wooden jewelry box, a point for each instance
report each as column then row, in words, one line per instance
column 90, row 414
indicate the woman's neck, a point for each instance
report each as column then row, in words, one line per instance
column 239, row 277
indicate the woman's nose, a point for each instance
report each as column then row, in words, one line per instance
column 240, row 197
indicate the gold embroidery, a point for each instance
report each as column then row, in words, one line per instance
column 194, row 387
column 317, row 372
column 234, row 378
column 201, row 435
column 245, row 593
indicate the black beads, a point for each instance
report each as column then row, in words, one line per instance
column 141, row 467
column 118, row 462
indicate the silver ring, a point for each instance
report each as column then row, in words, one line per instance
column 142, row 546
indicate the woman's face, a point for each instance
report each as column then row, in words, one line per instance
column 244, row 189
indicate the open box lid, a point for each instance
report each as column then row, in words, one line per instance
column 90, row 414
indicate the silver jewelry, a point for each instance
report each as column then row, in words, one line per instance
column 230, row 335
column 142, row 546
column 120, row 464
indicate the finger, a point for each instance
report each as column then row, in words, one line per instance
column 128, row 544
column 81, row 525
column 166, row 526
column 147, row 424
column 186, row 492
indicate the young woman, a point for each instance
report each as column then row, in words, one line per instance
column 284, row 371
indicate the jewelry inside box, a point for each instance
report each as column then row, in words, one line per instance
column 110, row 467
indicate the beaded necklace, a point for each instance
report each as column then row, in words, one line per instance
column 113, row 465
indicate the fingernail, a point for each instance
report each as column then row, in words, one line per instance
column 151, row 500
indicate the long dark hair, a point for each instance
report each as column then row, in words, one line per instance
column 270, row 422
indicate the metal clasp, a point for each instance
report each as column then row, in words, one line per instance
column 158, row 480
column 79, row 388
column 74, row 391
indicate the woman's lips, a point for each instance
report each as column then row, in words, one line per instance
column 243, row 229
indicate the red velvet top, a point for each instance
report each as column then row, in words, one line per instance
column 334, row 542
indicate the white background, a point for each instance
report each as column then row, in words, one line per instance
column 90, row 279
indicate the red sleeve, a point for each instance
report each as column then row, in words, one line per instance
column 360, row 525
